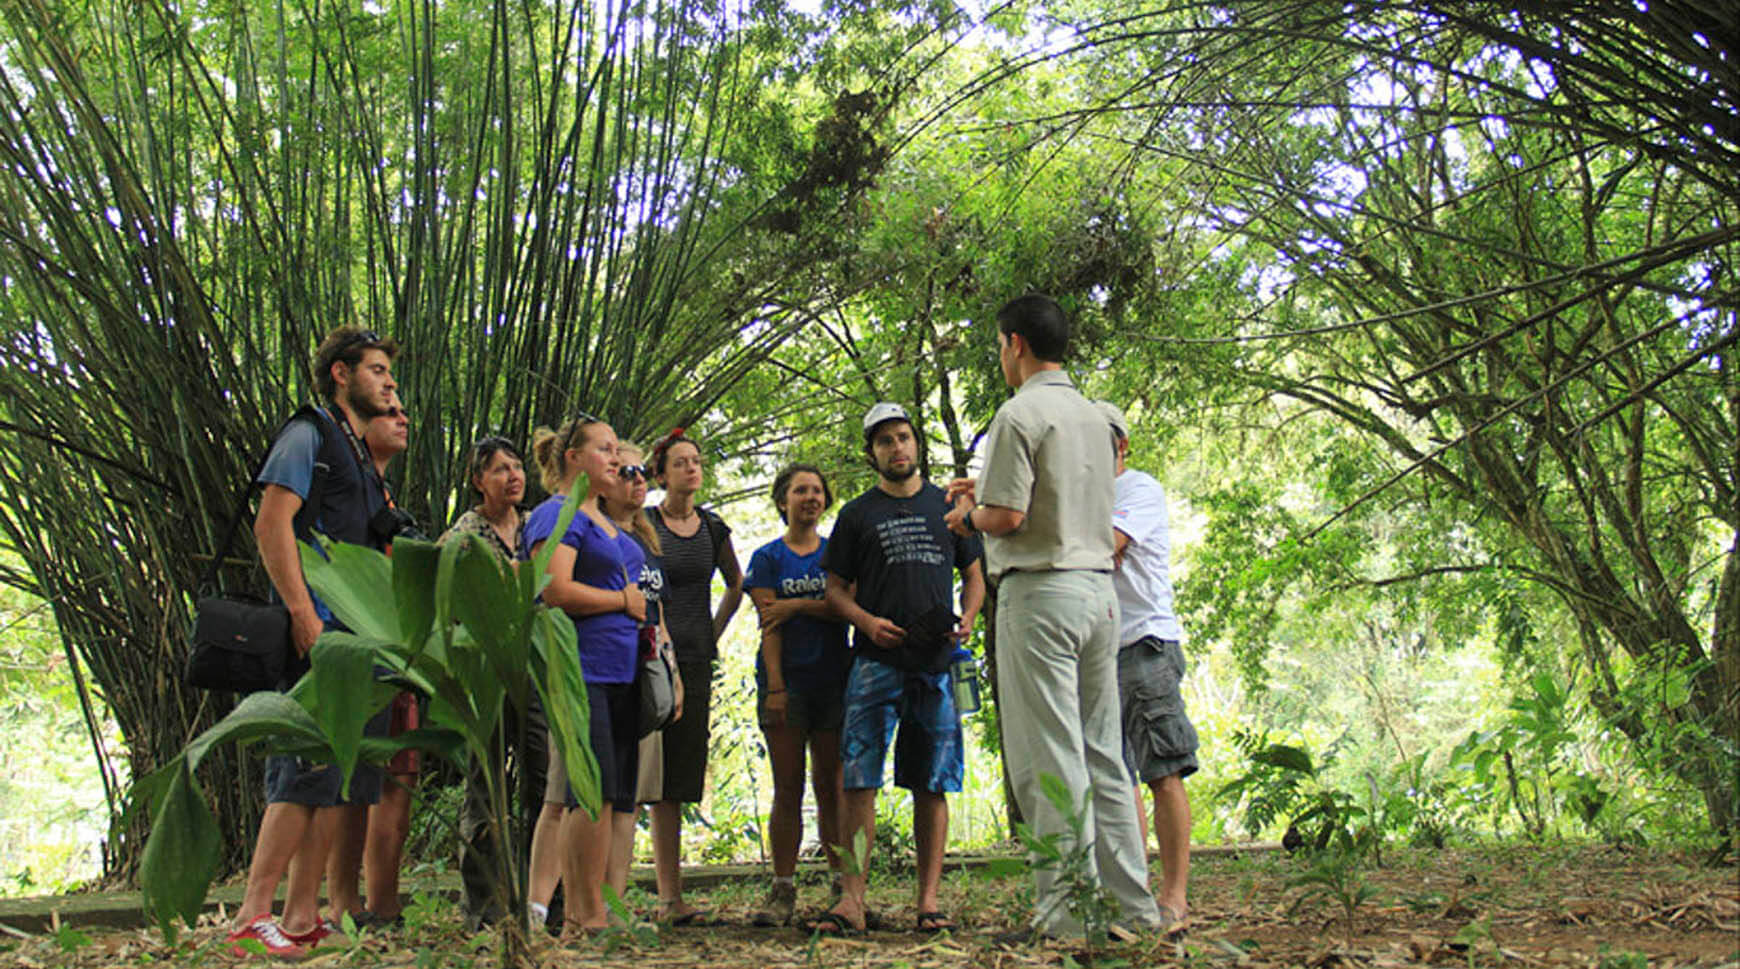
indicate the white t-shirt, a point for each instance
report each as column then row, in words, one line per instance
column 1144, row 581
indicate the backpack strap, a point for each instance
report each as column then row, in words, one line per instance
column 306, row 515
column 716, row 530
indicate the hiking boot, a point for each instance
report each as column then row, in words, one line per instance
column 778, row 908
column 268, row 934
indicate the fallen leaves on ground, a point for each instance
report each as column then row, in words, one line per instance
column 1556, row 907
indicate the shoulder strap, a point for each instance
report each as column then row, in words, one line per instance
column 316, row 490
column 715, row 529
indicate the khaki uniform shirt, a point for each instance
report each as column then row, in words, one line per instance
column 1051, row 454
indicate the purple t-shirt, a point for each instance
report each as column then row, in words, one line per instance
column 608, row 640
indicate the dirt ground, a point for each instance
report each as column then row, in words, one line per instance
column 1521, row 906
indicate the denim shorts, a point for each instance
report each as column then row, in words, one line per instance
column 928, row 754
column 1159, row 739
column 295, row 780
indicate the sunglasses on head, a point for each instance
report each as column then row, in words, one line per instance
column 629, row 472
column 360, row 336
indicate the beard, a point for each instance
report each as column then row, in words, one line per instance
column 895, row 477
column 361, row 405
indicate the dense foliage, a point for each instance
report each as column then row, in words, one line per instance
column 1426, row 309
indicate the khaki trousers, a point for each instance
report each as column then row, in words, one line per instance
column 1057, row 668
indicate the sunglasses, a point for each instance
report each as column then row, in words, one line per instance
column 631, row 471
column 395, row 412
column 360, row 336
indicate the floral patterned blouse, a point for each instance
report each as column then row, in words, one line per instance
column 474, row 523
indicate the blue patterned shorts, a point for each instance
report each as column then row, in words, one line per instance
column 928, row 755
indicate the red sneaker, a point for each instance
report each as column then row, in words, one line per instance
column 268, row 933
column 313, row 938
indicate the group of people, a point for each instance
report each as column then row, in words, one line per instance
column 858, row 631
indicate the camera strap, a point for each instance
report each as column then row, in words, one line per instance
column 364, row 461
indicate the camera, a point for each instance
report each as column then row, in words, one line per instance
column 390, row 523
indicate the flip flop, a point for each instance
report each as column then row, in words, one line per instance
column 831, row 924
column 1173, row 923
column 934, row 922
column 695, row 918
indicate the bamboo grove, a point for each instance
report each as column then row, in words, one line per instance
column 1491, row 246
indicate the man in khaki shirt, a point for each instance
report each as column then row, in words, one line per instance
column 1044, row 503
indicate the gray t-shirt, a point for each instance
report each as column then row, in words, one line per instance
column 1051, row 455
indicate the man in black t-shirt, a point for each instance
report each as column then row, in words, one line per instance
column 891, row 563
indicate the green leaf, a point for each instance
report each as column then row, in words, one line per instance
column 414, row 564
column 563, row 692
column 540, row 563
column 440, row 741
column 181, row 854
column 1002, row 868
column 343, row 681
column 1058, row 794
column 1286, row 757
column 356, row 583
column 264, row 714
column 484, row 598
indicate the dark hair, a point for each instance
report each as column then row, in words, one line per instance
column 548, row 448
column 1039, row 321
column 484, row 451
column 346, row 345
column 662, row 448
column 782, row 485
column 870, row 438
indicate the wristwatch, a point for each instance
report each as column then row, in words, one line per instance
column 967, row 519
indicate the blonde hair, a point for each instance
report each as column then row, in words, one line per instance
column 550, row 449
column 638, row 523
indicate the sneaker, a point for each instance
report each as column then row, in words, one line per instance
column 268, row 933
column 778, row 908
column 325, row 932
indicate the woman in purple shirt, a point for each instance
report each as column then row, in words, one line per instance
column 590, row 581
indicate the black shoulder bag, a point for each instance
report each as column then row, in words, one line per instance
column 241, row 644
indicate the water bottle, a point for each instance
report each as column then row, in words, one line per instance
column 966, row 678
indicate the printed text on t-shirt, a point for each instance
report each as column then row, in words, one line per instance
column 908, row 540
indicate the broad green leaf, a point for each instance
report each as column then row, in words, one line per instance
column 540, row 564
column 440, row 741
column 344, row 685
column 181, row 854
column 356, row 583
column 265, row 714
column 449, row 556
column 414, row 564
column 562, row 689
column 484, row 599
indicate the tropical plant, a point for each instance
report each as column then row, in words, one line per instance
column 451, row 621
column 1068, row 855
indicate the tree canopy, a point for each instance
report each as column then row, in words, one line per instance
column 1431, row 305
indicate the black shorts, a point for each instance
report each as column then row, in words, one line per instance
column 615, row 739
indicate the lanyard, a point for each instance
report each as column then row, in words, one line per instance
column 360, row 450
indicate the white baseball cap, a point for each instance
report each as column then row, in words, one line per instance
column 1114, row 417
column 885, row 411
